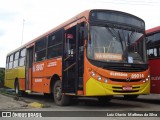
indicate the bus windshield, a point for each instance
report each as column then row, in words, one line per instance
column 109, row 44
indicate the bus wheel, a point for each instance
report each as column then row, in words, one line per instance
column 17, row 92
column 127, row 97
column 59, row 98
column 104, row 99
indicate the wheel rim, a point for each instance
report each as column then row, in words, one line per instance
column 58, row 93
column 16, row 89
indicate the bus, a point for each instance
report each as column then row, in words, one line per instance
column 153, row 51
column 98, row 53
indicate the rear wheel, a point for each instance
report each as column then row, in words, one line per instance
column 17, row 91
column 130, row 96
column 59, row 98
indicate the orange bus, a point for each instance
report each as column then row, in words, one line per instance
column 97, row 53
column 153, row 51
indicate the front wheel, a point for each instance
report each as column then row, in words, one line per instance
column 60, row 98
column 129, row 97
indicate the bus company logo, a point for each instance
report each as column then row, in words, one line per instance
column 38, row 80
column 51, row 64
column 6, row 114
column 128, row 79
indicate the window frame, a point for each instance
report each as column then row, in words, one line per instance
column 16, row 59
column 40, row 50
column 58, row 41
column 22, row 57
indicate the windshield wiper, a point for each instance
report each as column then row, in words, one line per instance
column 131, row 37
column 116, row 35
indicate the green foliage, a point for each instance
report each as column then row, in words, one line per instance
column 1, row 75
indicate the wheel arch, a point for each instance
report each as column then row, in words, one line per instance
column 53, row 79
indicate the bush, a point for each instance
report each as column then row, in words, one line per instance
column 1, row 77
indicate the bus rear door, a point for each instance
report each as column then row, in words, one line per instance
column 29, row 63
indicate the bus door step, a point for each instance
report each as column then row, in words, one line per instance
column 28, row 91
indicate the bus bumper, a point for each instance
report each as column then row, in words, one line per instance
column 97, row 88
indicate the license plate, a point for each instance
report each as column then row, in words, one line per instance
column 127, row 88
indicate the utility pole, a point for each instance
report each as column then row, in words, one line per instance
column 22, row 30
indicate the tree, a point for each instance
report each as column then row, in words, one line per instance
column 1, row 76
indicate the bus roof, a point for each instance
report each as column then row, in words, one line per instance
column 80, row 15
column 153, row 30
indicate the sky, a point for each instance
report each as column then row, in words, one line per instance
column 23, row 20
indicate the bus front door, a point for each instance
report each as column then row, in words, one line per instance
column 70, row 61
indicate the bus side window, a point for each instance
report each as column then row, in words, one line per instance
column 22, row 57
column 70, row 45
column 16, row 57
column 11, row 61
column 40, row 50
column 152, row 53
column 54, row 45
column 7, row 62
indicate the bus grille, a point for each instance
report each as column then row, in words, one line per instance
column 131, row 91
column 120, row 89
column 125, row 69
column 124, row 80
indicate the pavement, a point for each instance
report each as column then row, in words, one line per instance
column 11, row 103
column 8, row 101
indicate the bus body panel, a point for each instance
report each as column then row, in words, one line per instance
column 43, row 72
column 103, row 89
column 9, row 83
column 114, row 87
column 153, row 34
column 12, row 74
column 21, row 83
column 155, row 75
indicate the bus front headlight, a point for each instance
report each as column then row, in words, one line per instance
column 99, row 78
column 93, row 74
column 105, row 80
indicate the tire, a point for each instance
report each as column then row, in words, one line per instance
column 18, row 92
column 59, row 98
column 129, row 97
column 104, row 99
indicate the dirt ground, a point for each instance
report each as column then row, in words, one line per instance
column 11, row 103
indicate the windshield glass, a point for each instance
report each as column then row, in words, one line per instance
column 116, row 45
